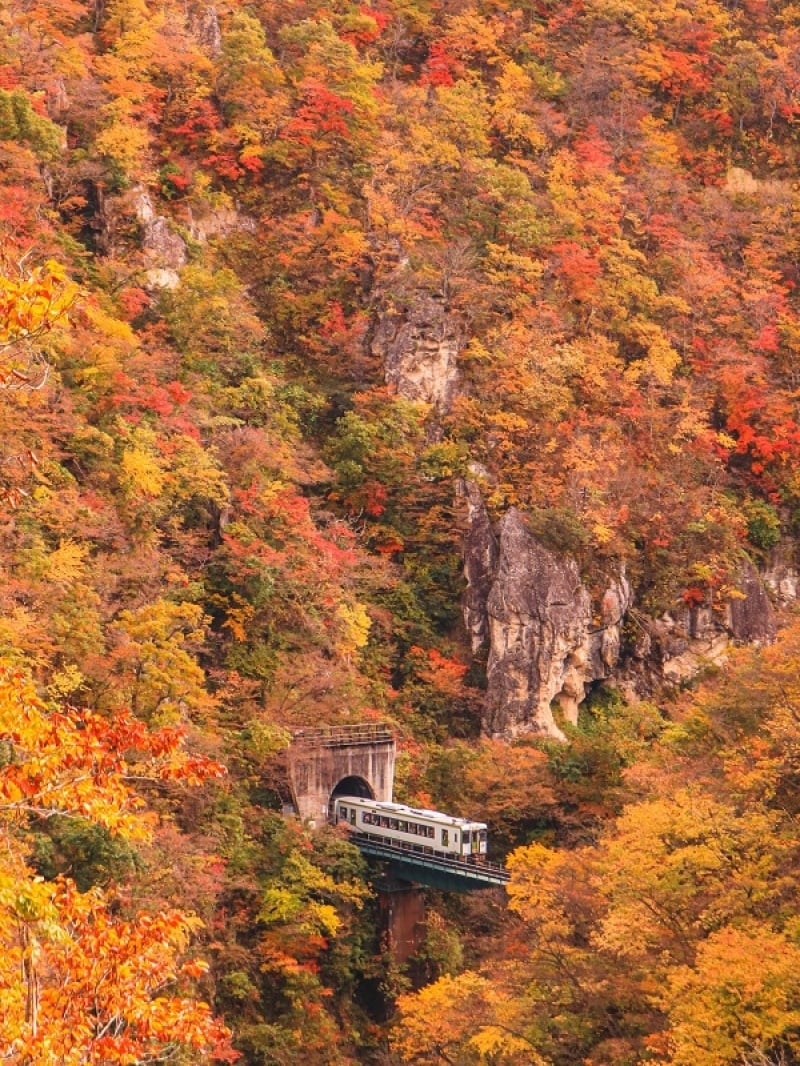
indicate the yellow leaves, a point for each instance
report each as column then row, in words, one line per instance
column 348, row 248
column 514, row 90
column 122, row 141
column 65, row 683
column 738, row 1002
column 66, row 564
column 142, row 474
column 440, row 1017
column 153, row 665
column 504, row 266
column 534, row 891
column 492, row 1041
column 239, row 615
column 680, row 863
column 661, row 143
column 602, row 533
column 30, row 305
column 463, row 1018
column 354, row 627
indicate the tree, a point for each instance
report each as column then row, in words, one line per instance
column 80, row 983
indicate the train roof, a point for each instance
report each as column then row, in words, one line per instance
column 418, row 812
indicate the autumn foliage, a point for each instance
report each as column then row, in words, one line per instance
column 274, row 278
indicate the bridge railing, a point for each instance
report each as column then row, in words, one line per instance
column 338, row 735
column 418, row 853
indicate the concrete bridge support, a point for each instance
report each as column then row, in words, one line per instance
column 402, row 909
column 339, row 760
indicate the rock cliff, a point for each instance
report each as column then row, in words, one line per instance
column 419, row 348
column 480, row 565
column 549, row 639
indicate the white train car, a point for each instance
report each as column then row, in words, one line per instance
column 429, row 832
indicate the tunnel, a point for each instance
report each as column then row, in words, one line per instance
column 351, row 786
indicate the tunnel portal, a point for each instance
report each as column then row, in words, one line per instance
column 352, row 786
column 352, row 760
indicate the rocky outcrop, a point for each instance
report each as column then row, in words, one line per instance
column 549, row 639
column 675, row 648
column 204, row 24
column 209, row 223
column 419, row 348
column 782, row 575
column 750, row 615
column 547, row 642
column 481, row 552
column 164, row 250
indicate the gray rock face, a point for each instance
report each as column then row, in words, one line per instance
column 419, row 349
column 218, row 222
column 751, row 618
column 164, row 250
column 166, row 247
column 205, row 27
column 546, row 642
column 481, row 552
column 782, row 574
column 673, row 649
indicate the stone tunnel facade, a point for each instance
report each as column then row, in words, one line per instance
column 320, row 760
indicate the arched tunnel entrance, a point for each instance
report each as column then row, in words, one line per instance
column 352, row 786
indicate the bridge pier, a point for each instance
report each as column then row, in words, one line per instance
column 402, row 909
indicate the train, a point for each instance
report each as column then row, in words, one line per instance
column 427, row 832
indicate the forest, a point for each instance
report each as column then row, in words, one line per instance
column 427, row 362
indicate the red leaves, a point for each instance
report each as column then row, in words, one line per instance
column 578, row 268
column 441, row 68
column 321, row 113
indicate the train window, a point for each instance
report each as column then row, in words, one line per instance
column 343, row 811
column 403, row 826
column 393, row 823
column 445, row 838
column 352, row 816
column 412, row 828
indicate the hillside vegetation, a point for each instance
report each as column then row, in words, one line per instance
column 276, row 279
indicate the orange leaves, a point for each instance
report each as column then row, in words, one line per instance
column 77, row 763
column 79, row 984
column 578, row 268
column 105, row 986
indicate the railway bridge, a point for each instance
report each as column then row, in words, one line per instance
column 359, row 760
